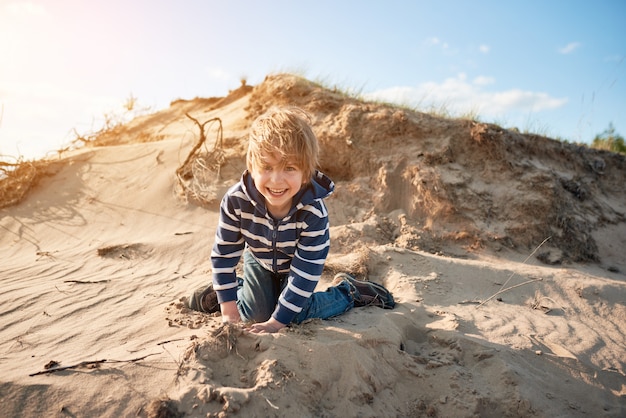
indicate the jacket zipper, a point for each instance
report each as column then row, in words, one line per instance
column 274, row 235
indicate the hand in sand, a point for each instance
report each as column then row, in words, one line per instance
column 268, row 327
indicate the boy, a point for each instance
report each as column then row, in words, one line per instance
column 276, row 219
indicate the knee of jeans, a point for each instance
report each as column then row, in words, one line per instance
column 261, row 317
column 253, row 315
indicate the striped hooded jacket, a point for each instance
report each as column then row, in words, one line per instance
column 296, row 245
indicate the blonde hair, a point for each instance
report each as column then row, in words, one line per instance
column 286, row 131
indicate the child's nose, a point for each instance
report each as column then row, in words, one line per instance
column 277, row 175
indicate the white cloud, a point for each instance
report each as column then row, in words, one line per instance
column 569, row 48
column 483, row 80
column 458, row 96
column 524, row 100
column 484, row 49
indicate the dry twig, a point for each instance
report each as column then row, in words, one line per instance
column 184, row 170
column 503, row 289
column 198, row 174
column 92, row 363
column 86, row 281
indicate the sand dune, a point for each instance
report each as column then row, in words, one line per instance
column 449, row 214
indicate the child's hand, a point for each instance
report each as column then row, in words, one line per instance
column 269, row 326
column 230, row 313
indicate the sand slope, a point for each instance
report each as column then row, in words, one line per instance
column 445, row 213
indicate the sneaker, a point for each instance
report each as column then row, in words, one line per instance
column 204, row 300
column 367, row 293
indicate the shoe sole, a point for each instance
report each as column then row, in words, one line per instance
column 195, row 300
column 383, row 299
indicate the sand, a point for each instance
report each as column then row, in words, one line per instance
column 504, row 251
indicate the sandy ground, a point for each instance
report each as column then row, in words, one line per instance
column 449, row 215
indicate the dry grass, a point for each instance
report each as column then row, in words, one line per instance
column 17, row 179
column 542, row 303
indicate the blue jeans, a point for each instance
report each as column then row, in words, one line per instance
column 259, row 290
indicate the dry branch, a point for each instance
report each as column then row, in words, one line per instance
column 184, row 170
column 199, row 173
column 92, row 363
column 86, row 281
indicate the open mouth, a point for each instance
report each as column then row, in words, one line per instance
column 277, row 192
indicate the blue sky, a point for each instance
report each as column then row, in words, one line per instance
column 552, row 67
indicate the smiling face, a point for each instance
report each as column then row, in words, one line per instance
column 278, row 180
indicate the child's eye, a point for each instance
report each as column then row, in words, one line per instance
column 291, row 168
